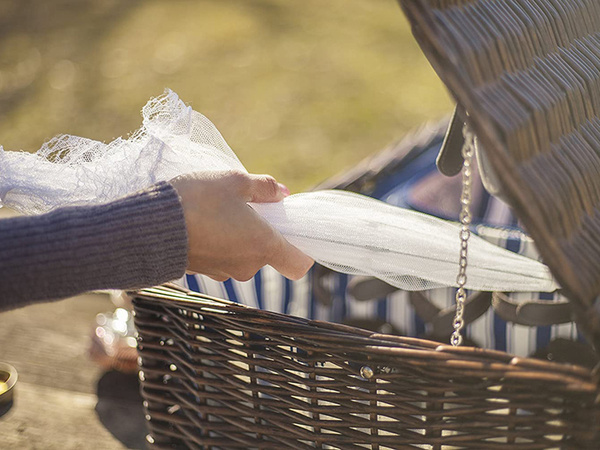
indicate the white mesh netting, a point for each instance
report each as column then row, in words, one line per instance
column 341, row 230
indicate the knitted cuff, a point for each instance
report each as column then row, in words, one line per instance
column 134, row 242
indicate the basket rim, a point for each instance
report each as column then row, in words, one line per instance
column 471, row 359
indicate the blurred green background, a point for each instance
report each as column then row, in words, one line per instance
column 300, row 89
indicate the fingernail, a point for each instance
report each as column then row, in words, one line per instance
column 284, row 189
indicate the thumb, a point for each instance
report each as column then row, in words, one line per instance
column 288, row 260
column 264, row 189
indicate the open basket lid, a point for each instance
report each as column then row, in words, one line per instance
column 528, row 74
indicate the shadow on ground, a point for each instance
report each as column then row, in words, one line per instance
column 120, row 410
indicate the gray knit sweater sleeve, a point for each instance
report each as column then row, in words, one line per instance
column 134, row 242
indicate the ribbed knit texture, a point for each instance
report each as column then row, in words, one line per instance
column 134, row 242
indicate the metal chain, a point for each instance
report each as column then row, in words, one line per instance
column 465, row 232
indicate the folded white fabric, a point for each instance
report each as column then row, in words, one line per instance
column 341, row 230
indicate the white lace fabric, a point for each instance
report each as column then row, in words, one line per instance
column 344, row 231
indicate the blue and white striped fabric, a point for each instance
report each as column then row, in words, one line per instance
column 270, row 291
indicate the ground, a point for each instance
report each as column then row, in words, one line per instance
column 301, row 90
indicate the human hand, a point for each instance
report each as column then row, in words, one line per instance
column 226, row 237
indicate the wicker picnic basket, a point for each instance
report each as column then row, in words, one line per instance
column 218, row 375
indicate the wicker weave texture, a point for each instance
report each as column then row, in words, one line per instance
column 217, row 375
column 528, row 73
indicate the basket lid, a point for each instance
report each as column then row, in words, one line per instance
column 528, row 73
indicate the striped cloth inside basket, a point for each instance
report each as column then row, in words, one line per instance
column 417, row 186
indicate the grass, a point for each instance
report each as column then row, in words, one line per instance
column 301, row 90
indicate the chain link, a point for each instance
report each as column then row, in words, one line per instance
column 465, row 233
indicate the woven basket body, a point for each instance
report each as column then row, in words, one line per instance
column 528, row 74
column 217, row 375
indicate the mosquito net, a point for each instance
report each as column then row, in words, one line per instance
column 341, row 230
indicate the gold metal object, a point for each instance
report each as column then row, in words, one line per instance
column 8, row 379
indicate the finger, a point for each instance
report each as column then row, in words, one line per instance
column 264, row 189
column 244, row 274
column 284, row 189
column 289, row 261
column 218, row 277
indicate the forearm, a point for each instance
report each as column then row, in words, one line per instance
column 133, row 242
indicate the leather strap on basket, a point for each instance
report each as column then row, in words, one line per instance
column 442, row 320
column 364, row 288
column 535, row 313
column 450, row 160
